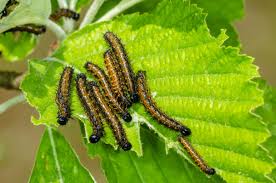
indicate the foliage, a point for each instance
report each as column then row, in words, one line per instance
column 213, row 92
column 15, row 47
column 193, row 76
column 268, row 113
column 57, row 162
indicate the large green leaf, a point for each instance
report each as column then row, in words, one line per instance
column 194, row 78
column 156, row 165
column 15, row 47
column 56, row 161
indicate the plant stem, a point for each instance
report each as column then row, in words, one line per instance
column 73, row 4
column 91, row 12
column 11, row 102
column 68, row 25
column 62, row 4
column 122, row 6
column 55, row 28
column 10, row 79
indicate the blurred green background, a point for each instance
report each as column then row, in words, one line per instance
column 19, row 138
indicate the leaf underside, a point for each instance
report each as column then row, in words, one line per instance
column 56, row 161
column 194, row 78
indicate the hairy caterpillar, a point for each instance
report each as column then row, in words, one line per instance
column 99, row 74
column 63, row 95
column 116, row 77
column 151, row 107
column 195, row 156
column 5, row 11
column 31, row 28
column 64, row 13
column 112, row 119
column 122, row 58
column 90, row 107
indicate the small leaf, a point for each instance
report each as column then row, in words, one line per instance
column 57, row 162
column 15, row 47
column 221, row 15
column 27, row 12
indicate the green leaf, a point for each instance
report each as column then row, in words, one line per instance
column 3, row 4
column 27, row 12
column 193, row 77
column 15, row 47
column 268, row 113
column 221, row 15
column 155, row 166
column 57, row 162
column 82, row 3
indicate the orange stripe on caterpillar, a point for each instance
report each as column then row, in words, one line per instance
column 111, row 118
column 123, row 61
column 99, row 74
column 90, row 106
column 63, row 95
column 155, row 112
column 195, row 156
column 116, row 78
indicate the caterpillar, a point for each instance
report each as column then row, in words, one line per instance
column 116, row 78
column 151, row 107
column 100, row 75
column 111, row 118
column 122, row 58
column 89, row 104
column 63, row 12
column 5, row 11
column 195, row 156
column 31, row 28
column 63, row 95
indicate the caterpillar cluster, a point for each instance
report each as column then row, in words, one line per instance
column 112, row 94
column 38, row 29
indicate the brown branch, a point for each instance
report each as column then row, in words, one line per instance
column 10, row 79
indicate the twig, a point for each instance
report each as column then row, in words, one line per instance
column 11, row 102
column 73, row 4
column 122, row 6
column 91, row 12
column 10, row 80
column 55, row 28
column 62, row 4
